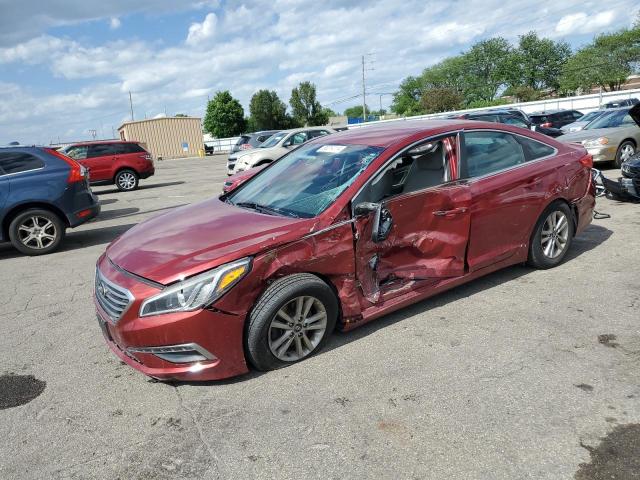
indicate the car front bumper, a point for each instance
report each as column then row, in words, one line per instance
column 142, row 342
column 605, row 153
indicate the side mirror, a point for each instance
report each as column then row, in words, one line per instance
column 382, row 220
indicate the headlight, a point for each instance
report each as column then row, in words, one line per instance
column 198, row 291
column 596, row 142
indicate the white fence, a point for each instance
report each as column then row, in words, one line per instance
column 583, row 103
column 220, row 144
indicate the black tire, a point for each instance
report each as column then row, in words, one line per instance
column 276, row 297
column 126, row 180
column 539, row 257
column 624, row 145
column 44, row 223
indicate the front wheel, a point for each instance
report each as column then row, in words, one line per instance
column 626, row 150
column 126, row 180
column 291, row 321
column 552, row 236
column 36, row 232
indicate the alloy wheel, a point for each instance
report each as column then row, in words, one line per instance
column 126, row 180
column 37, row 232
column 626, row 152
column 297, row 328
column 555, row 234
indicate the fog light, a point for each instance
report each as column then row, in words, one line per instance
column 184, row 353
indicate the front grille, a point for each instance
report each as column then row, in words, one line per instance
column 113, row 299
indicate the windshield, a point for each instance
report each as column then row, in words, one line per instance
column 273, row 141
column 589, row 116
column 306, row 181
column 619, row 118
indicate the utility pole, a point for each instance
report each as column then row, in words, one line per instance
column 364, row 89
column 364, row 95
column 131, row 105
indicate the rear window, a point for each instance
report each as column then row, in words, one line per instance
column 124, row 148
column 101, row 150
column 16, row 162
column 538, row 119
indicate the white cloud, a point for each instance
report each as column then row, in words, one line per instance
column 114, row 23
column 270, row 44
column 582, row 23
column 202, row 31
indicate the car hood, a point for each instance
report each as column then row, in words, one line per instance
column 271, row 153
column 582, row 135
column 198, row 237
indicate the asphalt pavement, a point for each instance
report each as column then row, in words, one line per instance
column 523, row 374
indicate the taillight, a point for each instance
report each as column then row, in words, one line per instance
column 77, row 174
column 245, row 146
column 546, row 125
column 587, row 161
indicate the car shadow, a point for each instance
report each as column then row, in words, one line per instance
column 128, row 212
column 108, row 201
column 592, row 237
column 141, row 187
column 75, row 240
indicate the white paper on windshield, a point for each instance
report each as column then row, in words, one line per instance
column 332, row 148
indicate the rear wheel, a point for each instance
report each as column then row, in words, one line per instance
column 291, row 321
column 126, row 180
column 626, row 150
column 552, row 236
column 36, row 232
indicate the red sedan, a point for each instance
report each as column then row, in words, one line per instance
column 343, row 230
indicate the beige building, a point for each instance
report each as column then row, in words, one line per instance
column 166, row 137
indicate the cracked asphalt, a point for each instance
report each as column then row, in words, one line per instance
column 520, row 374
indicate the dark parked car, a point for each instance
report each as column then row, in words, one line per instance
column 555, row 118
column 629, row 102
column 509, row 118
column 42, row 193
column 113, row 162
column 340, row 231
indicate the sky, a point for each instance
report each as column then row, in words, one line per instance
column 67, row 66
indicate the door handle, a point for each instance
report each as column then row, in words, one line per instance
column 450, row 213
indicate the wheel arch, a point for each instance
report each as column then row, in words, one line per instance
column 571, row 207
column 629, row 139
column 122, row 168
column 17, row 209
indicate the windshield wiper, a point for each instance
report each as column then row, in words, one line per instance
column 266, row 209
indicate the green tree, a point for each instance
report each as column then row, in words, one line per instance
column 224, row 117
column 436, row 100
column 486, row 67
column 537, row 62
column 356, row 111
column 606, row 62
column 406, row 101
column 328, row 112
column 304, row 106
column 523, row 93
column 268, row 112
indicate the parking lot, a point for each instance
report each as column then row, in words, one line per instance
column 521, row 374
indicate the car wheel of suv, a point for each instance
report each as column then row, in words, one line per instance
column 626, row 150
column 36, row 232
column 552, row 236
column 292, row 320
column 126, row 180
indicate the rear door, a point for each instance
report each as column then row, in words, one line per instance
column 423, row 222
column 101, row 158
column 4, row 187
column 507, row 175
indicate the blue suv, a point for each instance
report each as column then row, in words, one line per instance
column 42, row 193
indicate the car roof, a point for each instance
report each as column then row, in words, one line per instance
column 99, row 142
column 386, row 134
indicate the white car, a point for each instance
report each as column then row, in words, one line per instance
column 277, row 146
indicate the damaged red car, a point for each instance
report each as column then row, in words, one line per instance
column 338, row 232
